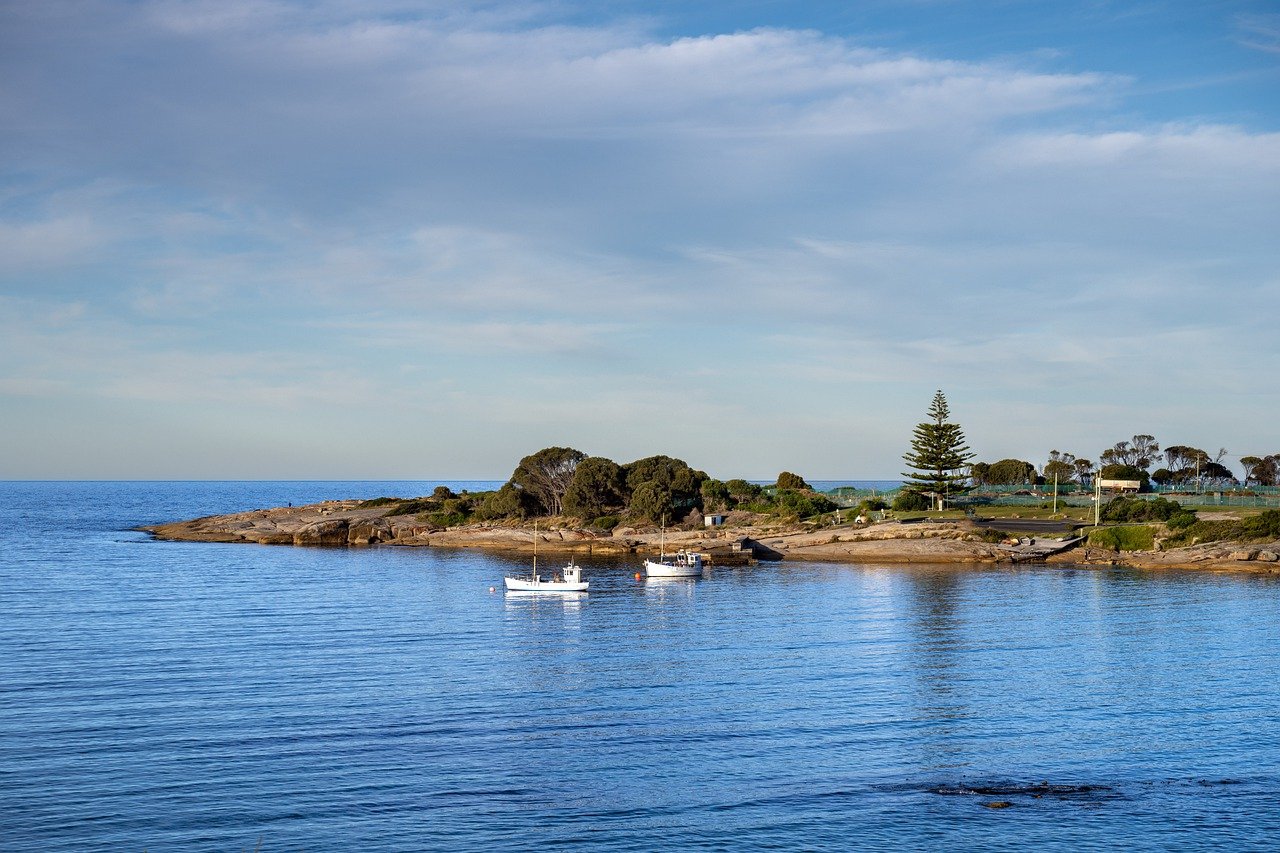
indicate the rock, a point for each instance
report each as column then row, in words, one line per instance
column 998, row 804
column 1243, row 556
column 331, row 532
column 369, row 531
column 1268, row 556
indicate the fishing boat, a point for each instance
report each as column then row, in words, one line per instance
column 568, row 579
column 682, row 564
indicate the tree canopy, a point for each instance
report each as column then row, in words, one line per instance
column 545, row 476
column 938, row 455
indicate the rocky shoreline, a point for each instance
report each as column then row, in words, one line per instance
column 349, row 523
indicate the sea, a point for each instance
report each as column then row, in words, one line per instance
column 161, row 696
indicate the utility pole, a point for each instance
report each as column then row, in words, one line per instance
column 1055, row 492
column 1097, row 500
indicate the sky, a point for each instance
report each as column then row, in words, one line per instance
column 399, row 239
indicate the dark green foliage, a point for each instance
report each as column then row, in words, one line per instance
column 715, row 495
column 804, row 504
column 1137, row 538
column 1264, row 526
column 662, row 486
column 598, row 487
column 604, row 522
column 1136, row 509
column 651, row 502
column 787, row 480
column 909, row 501
column 871, row 505
column 994, row 537
column 1181, row 520
column 376, row 502
column 413, row 507
column 443, row 493
column 507, row 502
column 741, row 490
column 1011, row 472
column 546, row 475
column 938, row 454
column 450, row 513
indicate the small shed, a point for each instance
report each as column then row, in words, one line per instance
column 713, row 519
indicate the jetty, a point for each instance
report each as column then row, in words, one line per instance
column 1033, row 549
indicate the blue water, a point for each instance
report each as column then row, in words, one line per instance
column 172, row 696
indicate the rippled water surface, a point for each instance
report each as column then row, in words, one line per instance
column 173, row 696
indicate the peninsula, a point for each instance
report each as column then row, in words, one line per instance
column 742, row 538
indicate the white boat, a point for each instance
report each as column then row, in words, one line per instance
column 568, row 579
column 682, row 564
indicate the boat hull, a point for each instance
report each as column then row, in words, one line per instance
column 538, row 585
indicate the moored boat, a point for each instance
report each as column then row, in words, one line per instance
column 568, row 579
column 682, row 564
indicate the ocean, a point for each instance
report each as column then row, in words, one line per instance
column 187, row 697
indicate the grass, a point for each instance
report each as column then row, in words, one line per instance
column 1138, row 537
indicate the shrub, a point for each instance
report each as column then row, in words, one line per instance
column 1265, row 525
column 1135, row 538
column 908, row 501
column 1136, row 509
column 376, row 502
column 803, row 504
column 605, row 522
column 1181, row 520
column 413, row 507
column 986, row 534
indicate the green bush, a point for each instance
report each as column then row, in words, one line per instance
column 1136, row 509
column 1135, row 538
column 605, row 522
column 803, row 504
column 908, row 501
column 376, row 502
column 413, row 507
column 986, row 534
column 1181, row 520
column 1265, row 525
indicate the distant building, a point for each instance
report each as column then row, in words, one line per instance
column 712, row 519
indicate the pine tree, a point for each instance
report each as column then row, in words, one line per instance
column 938, row 455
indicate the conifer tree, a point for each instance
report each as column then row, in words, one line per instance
column 938, row 455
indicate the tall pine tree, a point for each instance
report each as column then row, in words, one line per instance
column 938, row 455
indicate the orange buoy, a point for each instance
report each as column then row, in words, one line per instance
column 638, row 576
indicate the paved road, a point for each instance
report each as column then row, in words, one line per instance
column 1024, row 525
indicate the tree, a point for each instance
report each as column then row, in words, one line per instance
column 938, row 455
column 1127, row 472
column 1011, row 472
column 1084, row 468
column 598, row 486
column 1262, row 470
column 742, row 491
column 1139, row 453
column 787, row 480
column 1060, row 465
column 546, row 475
column 673, row 477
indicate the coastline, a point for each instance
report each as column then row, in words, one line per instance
column 347, row 523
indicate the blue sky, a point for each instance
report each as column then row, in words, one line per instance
column 393, row 239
